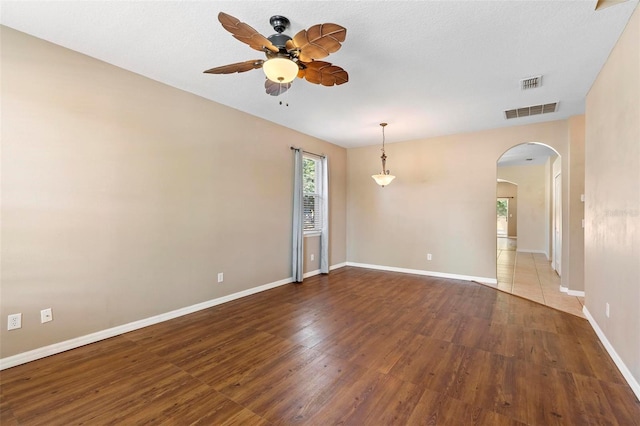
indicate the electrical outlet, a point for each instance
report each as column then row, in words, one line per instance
column 429, row 257
column 313, row 256
column 46, row 315
column 606, row 310
column 14, row 321
column 220, row 277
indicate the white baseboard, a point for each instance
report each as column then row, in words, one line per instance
column 55, row 348
column 626, row 373
column 572, row 292
column 483, row 280
column 45, row 351
column 337, row 266
column 317, row 271
column 519, row 250
column 311, row 273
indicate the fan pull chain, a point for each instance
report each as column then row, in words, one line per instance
column 286, row 103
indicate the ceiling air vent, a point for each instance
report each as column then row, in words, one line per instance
column 531, row 110
column 531, row 82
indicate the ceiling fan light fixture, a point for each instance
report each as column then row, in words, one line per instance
column 280, row 70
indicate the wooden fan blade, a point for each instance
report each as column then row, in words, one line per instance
column 318, row 41
column 237, row 67
column 275, row 89
column 319, row 72
column 245, row 33
column 601, row 4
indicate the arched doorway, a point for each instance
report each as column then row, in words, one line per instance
column 528, row 194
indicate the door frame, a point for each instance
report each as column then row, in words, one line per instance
column 556, row 257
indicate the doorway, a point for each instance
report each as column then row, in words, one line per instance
column 502, row 213
column 528, row 220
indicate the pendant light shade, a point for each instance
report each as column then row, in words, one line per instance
column 383, row 180
column 280, row 70
column 385, row 177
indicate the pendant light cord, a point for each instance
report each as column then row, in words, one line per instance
column 383, row 156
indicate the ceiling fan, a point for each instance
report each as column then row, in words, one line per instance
column 288, row 58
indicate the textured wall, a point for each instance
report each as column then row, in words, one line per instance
column 612, row 205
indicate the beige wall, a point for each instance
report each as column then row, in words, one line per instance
column 442, row 201
column 532, row 216
column 510, row 191
column 575, row 263
column 311, row 248
column 122, row 198
column 612, row 206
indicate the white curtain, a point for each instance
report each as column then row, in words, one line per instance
column 324, row 236
column 297, row 240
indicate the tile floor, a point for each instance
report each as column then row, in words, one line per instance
column 529, row 275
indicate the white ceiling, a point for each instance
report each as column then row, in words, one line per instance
column 428, row 68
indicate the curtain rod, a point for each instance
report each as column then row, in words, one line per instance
column 307, row 152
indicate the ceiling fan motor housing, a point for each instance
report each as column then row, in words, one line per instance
column 279, row 40
column 279, row 23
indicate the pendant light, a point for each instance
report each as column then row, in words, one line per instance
column 383, row 178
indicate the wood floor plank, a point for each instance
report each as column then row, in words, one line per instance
column 297, row 395
column 557, row 351
column 356, row 347
column 479, row 380
column 6, row 413
column 625, row 406
column 435, row 408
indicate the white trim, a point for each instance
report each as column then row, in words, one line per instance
column 338, row 266
column 311, row 273
column 626, row 373
column 519, row 250
column 577, row 293
column 56, row 348
column 506, row 181
column 483, row 280
column 317, row 271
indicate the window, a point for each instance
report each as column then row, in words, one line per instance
column 312, row 194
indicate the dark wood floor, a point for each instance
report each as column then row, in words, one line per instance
column 358, row 347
